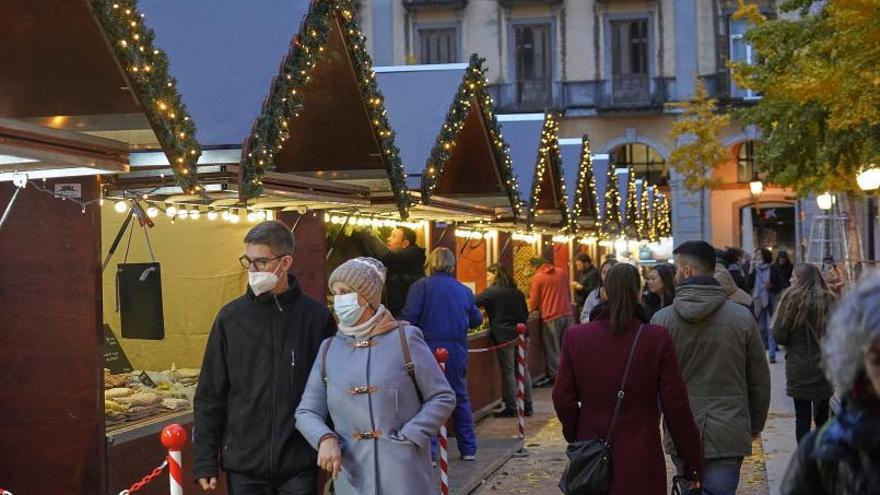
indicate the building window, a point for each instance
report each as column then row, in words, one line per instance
column 644, row 161
column 438, row 45
column 534, row 63
column 630, row 66
column 745, row 162
column 740, row 51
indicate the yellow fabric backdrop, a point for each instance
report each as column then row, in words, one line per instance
column 200, row 273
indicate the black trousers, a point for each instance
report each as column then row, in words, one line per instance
column 806, row 412
column 304, row 483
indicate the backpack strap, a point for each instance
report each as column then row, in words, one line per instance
column 408, row 362
column 324, row 350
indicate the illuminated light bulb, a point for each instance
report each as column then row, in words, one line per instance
column 171, row 211
column 212, row 215
column 183, row 213
column 251, row 217
column 225, row 215
column 152, row 212
column 234, row 218
column 121, row 206
column 195, row 214
column 261, row 216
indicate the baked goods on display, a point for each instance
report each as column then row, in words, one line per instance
column 137, row 395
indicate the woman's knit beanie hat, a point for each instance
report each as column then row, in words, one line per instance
column 366, row 276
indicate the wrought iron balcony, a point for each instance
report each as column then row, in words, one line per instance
column 511, row 3
column 527, row 96
column 427, row 4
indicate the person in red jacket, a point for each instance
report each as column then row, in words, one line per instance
column 591, row 369
column 550, row 295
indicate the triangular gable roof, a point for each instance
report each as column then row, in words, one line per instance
column 470, row 157
column 549, row 195
column 325, row 116
column 523, row 133
column 291, row 85
column 90, row 66
column 579, row 158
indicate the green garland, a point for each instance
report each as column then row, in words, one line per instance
column 610, row 227
column 285, row 100
column 147, row 70
column 632, row 206
column 473, row 87
column 585, row 195
column 549, row 155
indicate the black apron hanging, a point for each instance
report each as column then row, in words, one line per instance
column 139, row 296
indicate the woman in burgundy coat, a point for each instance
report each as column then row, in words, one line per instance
column 591, row 368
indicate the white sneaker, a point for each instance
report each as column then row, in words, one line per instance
column 469, row 458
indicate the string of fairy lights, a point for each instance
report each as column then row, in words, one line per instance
column 286, row 100
column 472, row 89
column 549, row 155
column 585, row 199
column 146, row 68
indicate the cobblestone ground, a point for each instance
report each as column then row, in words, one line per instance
column 538, row 474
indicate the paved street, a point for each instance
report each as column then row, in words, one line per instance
column 538, row 474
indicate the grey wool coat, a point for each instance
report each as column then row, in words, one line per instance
column 398, row 460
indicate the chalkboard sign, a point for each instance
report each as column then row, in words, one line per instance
column 115, row 359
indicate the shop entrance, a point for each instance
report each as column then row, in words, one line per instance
column 768, row 225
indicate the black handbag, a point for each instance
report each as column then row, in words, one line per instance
column 589, row 461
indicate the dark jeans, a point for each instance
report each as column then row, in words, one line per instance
column 806, row 412
column 720, row 476
column 305, row 483
column 509, row 384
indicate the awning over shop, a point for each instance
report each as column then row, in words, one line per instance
column 88, row 71
column 283, row 92
column 536, row 154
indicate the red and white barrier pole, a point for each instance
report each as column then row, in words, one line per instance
column 174, row 438
column 442, row 355
column 521, row 378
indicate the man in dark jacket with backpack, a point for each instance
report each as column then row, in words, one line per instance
column 257, row 360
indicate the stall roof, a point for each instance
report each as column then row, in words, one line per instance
column 286, row 84
column 548, row 203
column 580, row 173
column 89, row 67
column 450, row 141
column 224, row 54
column 523, row 133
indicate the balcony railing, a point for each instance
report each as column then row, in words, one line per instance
column 527, row 96
column 421, row 4
column 511, row 3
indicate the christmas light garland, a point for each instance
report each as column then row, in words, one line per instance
column 285, row 101
column 610, row 227
column 642, row 219
column 472, row 88
column 549, row 155
column 662, row 222
column 586, row 200
column 146, row 69
column 632, row 206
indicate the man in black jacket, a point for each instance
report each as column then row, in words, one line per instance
column 403, row 259
column 257, row 360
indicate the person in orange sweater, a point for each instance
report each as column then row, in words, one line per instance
column 550, row 296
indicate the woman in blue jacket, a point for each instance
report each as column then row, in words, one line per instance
column 444, row 309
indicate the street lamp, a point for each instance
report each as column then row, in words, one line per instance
column 825, row 201
column 756, row 187
column 869, row 178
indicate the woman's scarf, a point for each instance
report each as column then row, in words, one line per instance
column 760, row 293
column 379, row 323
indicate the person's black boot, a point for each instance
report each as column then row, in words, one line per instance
column 528, row 410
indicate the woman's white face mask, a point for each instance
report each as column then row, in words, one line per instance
column 347, row 308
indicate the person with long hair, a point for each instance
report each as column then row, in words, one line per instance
column 840, row 458
column 799, row 325
column 595, row 297
column 591, row 368
column 660, row 283
column 506, row 307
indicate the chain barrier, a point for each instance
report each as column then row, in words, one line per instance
column 509, row 343
column 143, row 482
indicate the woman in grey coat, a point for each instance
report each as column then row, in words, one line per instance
column 383, row 412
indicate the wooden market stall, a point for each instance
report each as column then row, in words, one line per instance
column 82, row 85
column 454, row 154
column 577, row 158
